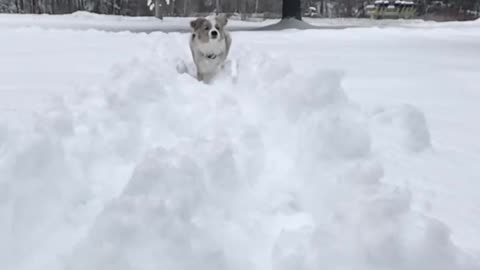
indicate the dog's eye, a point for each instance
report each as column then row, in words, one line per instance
column 216, row 26
column 207, row 28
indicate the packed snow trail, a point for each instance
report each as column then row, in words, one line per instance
column 276, row 170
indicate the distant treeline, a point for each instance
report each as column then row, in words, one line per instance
column 433, row 9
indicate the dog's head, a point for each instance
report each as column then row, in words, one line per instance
column 209, row 29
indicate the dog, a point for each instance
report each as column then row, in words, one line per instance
column 210, row 44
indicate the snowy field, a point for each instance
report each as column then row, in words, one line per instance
column 351, row 149
column 82, row 20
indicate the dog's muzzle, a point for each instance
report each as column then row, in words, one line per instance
column 214, row 34
column 211, row 56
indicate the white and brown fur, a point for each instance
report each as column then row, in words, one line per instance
column 210, row 44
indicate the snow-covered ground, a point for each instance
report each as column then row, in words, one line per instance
column 82, row 20
column 333, row 149
column 90, row 21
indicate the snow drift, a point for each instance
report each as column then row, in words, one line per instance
column 154, row 170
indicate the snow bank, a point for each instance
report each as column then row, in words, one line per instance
column 405, row 126
column 154, row 170
column 289, row 24
column 82, row 20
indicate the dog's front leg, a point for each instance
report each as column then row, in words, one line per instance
column 200, row 76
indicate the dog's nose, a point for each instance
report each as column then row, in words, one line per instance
column 214, row 34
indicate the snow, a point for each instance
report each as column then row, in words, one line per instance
column 82, row 20
column 290, row 23
column 333, row 149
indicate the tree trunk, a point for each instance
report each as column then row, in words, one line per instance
column 142, row 8
column 349, row 11
column 185, row 8
column 243, row 10
column 164, row 8
column 158, row 11
column 292, row 9
column 173, row 7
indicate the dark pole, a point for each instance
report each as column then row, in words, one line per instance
column 292, row 9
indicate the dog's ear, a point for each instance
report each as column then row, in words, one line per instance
column 195, row 24
column 222, row 19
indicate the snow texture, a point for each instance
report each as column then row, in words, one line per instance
column 82, row 20
column 290, row 23
column 282, row 168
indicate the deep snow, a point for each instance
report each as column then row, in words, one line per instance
column 353, row 149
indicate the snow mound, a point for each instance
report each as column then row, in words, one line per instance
column 82, row 20
column 154, row 170
column 289, row 24
column 405, row 126
column 86, row 15
column 293, row 23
